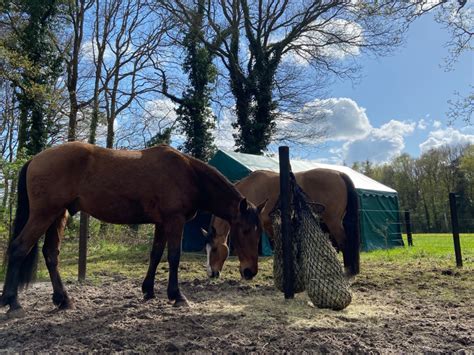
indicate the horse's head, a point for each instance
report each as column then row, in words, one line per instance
column 217, row 251
column 245, row 231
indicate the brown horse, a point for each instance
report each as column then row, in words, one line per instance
column 157, row 185
column 333, row 189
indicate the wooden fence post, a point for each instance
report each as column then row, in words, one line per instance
column 83, row 236
column 455, row 225
column 408, row 228
column 286, row 233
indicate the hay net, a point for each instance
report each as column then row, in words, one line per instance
column 316, row 268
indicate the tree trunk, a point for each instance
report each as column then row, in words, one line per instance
column 110, row 133
column 427, row 216
column 5, row 199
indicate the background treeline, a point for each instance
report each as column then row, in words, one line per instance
column 132, row 74
column 423, row 185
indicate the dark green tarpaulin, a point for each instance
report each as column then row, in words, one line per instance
column 379, row 220
column 379, row 211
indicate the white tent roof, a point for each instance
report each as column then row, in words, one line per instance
column 257, row 162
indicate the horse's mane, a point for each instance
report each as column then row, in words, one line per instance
column 209, row 173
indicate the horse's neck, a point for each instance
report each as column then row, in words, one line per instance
column 218, row 195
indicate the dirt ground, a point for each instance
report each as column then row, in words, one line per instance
column 386, row 315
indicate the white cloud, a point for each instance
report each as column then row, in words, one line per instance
column 333, row 39
column 422, row 124
column 343, row 120
column 373, row 149
column 224, row 131
column 89, row 50
column 161, row 110
column 381, row 145
column 340, row 118
column 436, row 124
column 394, row 128
column 443, row 137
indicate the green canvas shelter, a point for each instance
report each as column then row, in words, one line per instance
column 378, row 204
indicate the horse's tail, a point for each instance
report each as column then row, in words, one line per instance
column 351, row 250
column 28, row 266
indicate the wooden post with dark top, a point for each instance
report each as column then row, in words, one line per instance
column 408, row 227
column 455, row 225
column 288, row 282
column 83, row 236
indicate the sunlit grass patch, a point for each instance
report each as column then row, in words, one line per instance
column 432, row 248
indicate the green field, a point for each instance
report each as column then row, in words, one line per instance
column 427, row 248
column 109, row 259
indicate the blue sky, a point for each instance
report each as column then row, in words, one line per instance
column 408, row 92
column 398, row 106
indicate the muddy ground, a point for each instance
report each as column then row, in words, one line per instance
column 414, row 311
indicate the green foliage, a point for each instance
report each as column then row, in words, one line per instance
column 466, row 165
column 160, row 138
column 194, row 114
column 32, row 62
column 9, row 172
column 423, row 185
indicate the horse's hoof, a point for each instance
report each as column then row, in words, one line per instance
column 148, row 296
column 181, row 303
column 66, row 305
column 16, row 313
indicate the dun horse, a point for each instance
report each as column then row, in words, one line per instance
column 157, row 185
column 330, row 188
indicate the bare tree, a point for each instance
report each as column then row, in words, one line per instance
column 259, row 36
column 126, row 35
column 75, row 12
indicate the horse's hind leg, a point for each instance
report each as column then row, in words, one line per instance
column 158, row 247
column 52, row 242
column 20, row 248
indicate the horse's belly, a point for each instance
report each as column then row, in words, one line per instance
column 117, row 211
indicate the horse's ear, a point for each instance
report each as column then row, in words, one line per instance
column 209, row 235
column 261, row 206
column 243, row 206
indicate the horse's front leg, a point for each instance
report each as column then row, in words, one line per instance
column 174, row 233
column 157, row 249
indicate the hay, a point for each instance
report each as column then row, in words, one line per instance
column 316, row 268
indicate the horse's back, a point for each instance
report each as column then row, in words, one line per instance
column 321, row 185
column 325, row 186
column 117, row 186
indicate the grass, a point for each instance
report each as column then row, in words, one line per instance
column 430, row 248
column 109, row 259
column 427, row 270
